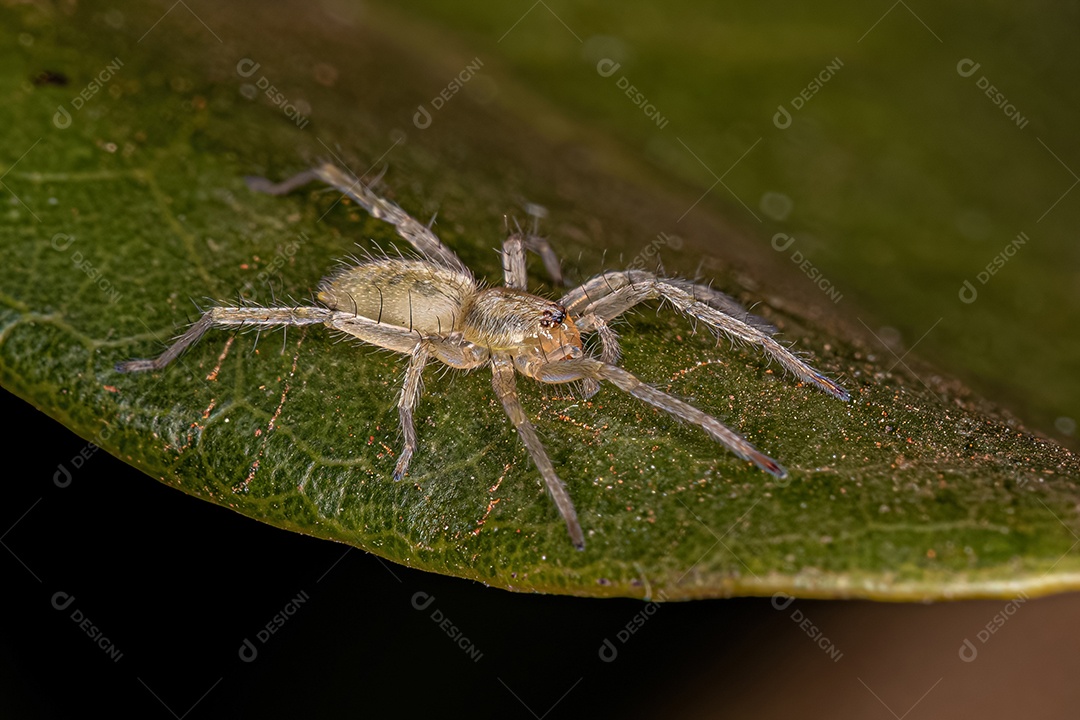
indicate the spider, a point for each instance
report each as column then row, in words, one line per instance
column 431, row 307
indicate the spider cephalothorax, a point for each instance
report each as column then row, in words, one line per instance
column 432, row 308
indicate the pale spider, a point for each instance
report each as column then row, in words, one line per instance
column 432, row 307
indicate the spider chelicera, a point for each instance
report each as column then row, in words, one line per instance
column 433, row 308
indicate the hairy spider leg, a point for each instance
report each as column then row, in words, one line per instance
column 502, row 368
column 542, row 247
column 577, row 300
column 513, row 262
column 464, row 356
column 459, row 355
column 412, row 230
column 228, row 317
column 616, row 303
column 417, row 234
column 410, row 395
column 580, row 368
column 608, row 282
column 532, row 241
column 390, row 337
column 538, row 244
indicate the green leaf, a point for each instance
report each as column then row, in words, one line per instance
column 133, row 204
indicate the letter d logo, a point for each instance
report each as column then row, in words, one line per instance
column 62, row 477
column 968, row 293
column 781, row 242
column 422, row 600
column 421, row 118
column 782, row 600
column 967, row 67
column 782, row 118
column 62, row 601
column 61, row 118
column 607, row 67
column 247, row 67
column 248, row 652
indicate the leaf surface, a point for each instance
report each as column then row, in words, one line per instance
column 117, row 220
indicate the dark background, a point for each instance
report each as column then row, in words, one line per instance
column 179, row 585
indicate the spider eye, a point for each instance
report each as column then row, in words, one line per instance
column 553, row 317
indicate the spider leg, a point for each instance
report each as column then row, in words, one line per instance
column 513, row 255
column 391, row 337
column 416, row 233
column 465, row 356
column 542, row 247
column 579, row 368
column 454, row 352
column 410, row 395
column 286, row 186
column 578, row 300
column 227, row 317
column 538, row 244
column 704, row 304
column 513, row 260
column 534, row 241
column 460, row 355
column 606, row 283
column 609, row 349
column 506, row 390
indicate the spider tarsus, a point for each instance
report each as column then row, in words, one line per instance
column 402, row 464
column 769, row 465
column 577, row 537
column 832, row 388
column 130, row 366
column 269, row 187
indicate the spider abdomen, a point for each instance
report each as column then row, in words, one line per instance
column 413, row 294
